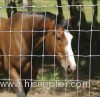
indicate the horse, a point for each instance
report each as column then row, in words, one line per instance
column 25, row 39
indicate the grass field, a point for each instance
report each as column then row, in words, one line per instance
column 51, row 7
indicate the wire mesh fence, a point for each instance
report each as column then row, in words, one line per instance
column 24, row 31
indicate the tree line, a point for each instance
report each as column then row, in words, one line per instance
column 74, row 10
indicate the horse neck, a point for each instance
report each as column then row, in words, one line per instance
column 38, row 36
column 3, row 24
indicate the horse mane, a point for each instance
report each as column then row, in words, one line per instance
column 58, row 21
column 47, row 14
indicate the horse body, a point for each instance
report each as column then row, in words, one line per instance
column 16, row 25
column 23, row 35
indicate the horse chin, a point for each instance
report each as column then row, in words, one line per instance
column 64, row 68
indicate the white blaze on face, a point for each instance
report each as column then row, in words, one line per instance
column 69, row 51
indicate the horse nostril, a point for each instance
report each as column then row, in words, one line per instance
column 69, row 70
column 68, row 66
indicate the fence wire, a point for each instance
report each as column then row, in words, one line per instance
column 43, row 55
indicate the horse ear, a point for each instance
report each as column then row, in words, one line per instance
column 60, row 19
column 73, row 22
column 69, row 23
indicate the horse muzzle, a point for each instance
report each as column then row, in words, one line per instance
column 68, row 69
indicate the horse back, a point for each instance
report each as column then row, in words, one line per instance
column 16, row 33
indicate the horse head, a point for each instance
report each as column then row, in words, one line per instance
column 58, row 44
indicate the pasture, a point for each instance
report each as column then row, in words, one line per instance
column 88, row 9
column 47, row 72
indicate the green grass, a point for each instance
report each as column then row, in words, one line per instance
column 52, row 8
column 51, row 75
column 2, row 10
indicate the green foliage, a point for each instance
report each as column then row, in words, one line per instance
column 50, row 75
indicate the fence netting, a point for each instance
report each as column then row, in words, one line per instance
column 85, row 45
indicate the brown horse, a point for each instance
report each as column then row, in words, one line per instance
column 24, row 39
